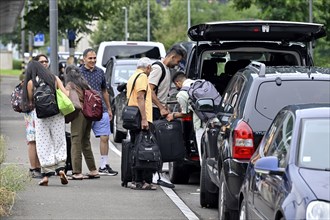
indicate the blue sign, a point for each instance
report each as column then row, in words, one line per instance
column 71, row 34
column 39, row 40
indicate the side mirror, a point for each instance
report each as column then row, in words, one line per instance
column 268, row 165
column 204, row 105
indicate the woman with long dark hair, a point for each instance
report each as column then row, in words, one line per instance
column 80, row 128
column 50, row 131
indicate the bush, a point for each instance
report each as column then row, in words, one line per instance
column 12, row 179
column 17, row 64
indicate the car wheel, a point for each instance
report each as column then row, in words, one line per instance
column 223, row 213
column 178, row 173
column 242, row 211
column 118, row 136
column 207, row 198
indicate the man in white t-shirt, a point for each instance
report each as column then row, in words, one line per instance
column 160, row 81
column 159, row 85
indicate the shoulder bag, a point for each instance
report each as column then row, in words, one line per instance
column 131, row 114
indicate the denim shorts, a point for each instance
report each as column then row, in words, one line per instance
column 102, row 127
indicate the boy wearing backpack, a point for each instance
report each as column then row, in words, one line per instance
column 183, row 84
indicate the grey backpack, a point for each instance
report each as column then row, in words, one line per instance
column 202, row 89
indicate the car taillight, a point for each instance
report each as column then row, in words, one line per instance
column 243, row 141
column 187, row 118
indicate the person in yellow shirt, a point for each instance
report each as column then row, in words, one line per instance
column 140, row 96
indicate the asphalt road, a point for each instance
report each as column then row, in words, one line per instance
column 102, row 198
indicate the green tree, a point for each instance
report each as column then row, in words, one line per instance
column 112, row 27
column 75, row 14
column 175, row 22
column 293, row 10
column 138, row 20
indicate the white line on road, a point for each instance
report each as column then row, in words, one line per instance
column 169, row 192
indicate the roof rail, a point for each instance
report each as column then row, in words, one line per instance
column 260, row 68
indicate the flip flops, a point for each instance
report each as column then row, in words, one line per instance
column 90, row 176
column 76, row 177
column 63, row 178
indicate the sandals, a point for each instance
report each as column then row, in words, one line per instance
column 145, row 186
column 43, row 182
column 76, row 177
column 90, row 176
column 63, row 177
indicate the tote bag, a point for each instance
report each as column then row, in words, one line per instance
column 64, row 103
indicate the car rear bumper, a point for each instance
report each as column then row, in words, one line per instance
column 234, row 172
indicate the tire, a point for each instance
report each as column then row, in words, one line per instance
column 223, row 212
column 207, row 198
column 118, row 136
column 242, row 211
column 179, row 173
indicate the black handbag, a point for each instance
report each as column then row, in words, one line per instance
column 131, row 114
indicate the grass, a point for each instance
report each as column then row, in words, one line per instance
column 12, row 179
column 10, row 72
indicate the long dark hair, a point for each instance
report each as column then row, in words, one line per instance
column 33, row 70
column 73, row 74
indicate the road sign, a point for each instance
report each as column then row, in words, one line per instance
column 39, row 40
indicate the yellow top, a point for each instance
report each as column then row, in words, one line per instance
column 141, row 84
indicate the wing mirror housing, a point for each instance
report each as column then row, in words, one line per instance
column 269, row 166
column 205, row 105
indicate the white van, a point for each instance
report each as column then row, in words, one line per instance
column 128, row 49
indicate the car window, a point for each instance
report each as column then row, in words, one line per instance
column 231, row 96
column 272, row 96
column 280, row 145
column 314, row 144
column 130, row 51
column 122, row 73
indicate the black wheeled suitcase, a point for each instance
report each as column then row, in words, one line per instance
column 170, row 139
column 68, row 163
column 126, row 162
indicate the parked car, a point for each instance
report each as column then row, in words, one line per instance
column 250, row 102
column 117, row 73
column 219, row 49
column 288, row 175
column 128, row 50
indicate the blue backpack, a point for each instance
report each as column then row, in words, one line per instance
column 202, row 89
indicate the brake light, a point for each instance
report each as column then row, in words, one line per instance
column 187, row 118
column 243, row 141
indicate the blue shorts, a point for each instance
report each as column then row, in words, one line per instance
column 102, row 127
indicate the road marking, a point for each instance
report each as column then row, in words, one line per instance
column 180, row 204
column 169, row 192
column 114, row 149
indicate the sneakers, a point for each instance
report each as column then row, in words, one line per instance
column 107, row 171
column 35, row 173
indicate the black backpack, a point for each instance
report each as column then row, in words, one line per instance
column 44, row 100
column 162, row 76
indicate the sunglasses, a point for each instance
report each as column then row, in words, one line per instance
column 43, row 61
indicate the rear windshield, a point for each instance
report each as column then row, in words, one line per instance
column 272, row 97
column 122, row 73
column 130, row 51
column 314, row 147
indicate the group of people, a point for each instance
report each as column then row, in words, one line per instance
column 150, row 94
column 46, row 136
column 47, row 146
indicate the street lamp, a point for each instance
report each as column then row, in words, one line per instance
column 126, row 34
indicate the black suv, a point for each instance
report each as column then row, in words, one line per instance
column 250, row 102
column 219, row 49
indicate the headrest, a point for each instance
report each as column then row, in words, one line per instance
column 210, row 67
column 233, row 66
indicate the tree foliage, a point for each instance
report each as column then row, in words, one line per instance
column 293, row 10
column 74, row 14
